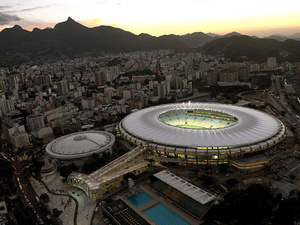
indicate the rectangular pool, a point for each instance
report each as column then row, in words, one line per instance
column 140, row 199
column 162, row 215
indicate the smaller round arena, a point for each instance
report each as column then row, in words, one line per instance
column 80, row 145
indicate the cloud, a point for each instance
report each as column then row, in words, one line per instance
column 4, row 7
column 31, row 9
column 6, row 18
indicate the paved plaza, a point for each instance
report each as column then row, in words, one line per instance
column 66, row 204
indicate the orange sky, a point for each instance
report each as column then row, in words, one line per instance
column 158, row 17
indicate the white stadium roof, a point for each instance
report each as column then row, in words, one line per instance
column 80, row 144
column 253, row 128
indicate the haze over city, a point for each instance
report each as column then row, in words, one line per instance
column 260, row 18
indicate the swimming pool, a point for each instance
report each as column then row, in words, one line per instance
column 140, row 199
column 162, row 215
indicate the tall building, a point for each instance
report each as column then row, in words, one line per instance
column 100, row 78
column 212, row 78
column 10, row 127
column 43, row 80
column 244, row 73
column 229, row 76
column 271, row 62
column 7, row 106
column 190, row 87
column 63, row 87
column 254, row 68
column 203, row 66
column 88, row 103
column 20, row 139
column 13, row 80
column 35, row 122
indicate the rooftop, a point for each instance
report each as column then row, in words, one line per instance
column 80, row 144
column 185, row 187
column 253, row 127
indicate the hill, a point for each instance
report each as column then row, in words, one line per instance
column 72, row 39
column 240, row 48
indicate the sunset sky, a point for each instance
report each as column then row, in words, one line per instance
column 159, row 17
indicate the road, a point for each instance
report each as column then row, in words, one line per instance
column 27, row 193
column 282, row 103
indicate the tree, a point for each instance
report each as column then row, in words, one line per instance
column 267, row 168
column 223, row 169
column 45, row 197
column 232, row 182
column 287, row 212
column 251, row 206
column 65, row 171
column 89, row 167
column 146, row 81
column 207, row 180
column 56, row 213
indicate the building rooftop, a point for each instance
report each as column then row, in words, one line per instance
column 252, row 128
column 185, row 187
column 80, row 144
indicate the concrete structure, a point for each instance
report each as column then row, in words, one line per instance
column 20, row 139
column 271, row 62
column 10, row 127
column 63, row 87
column 35, row 122
column 185, row 187
column 80, row 145
column 201, row 133
column 7, row 106
column 88, row 103
column 110, row 177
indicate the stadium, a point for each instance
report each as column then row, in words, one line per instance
column 80, row 145
column 201, row 133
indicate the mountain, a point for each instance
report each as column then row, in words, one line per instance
column 196, row 39
column 277, row 37
column 243, row 47
column 232, row 34
column 213, row 34
column 297, row 35
column 70, row 39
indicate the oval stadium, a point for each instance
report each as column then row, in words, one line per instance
column 80, row 145
column 201, row 133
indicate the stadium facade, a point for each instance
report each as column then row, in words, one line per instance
column 201, row 133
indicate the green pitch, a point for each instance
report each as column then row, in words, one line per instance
column 191, row 126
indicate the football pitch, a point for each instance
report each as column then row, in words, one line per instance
column 191, row 126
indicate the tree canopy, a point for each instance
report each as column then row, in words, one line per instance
column 251, row 206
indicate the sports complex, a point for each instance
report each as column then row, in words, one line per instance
column 201, row 133
column 80, row 145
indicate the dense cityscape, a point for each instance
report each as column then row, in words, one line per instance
column 150, row 137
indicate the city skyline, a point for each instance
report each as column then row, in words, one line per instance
column 260, row 18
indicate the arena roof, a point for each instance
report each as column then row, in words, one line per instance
column 80, row 144
column 253, row 128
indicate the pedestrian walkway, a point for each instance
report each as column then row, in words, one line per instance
column 64, row 203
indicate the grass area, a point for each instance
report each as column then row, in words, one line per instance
column 191, row 126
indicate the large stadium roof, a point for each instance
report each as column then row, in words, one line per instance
column 80, row 144
column 252, row 128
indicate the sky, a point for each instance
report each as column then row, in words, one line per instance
column 159, row 17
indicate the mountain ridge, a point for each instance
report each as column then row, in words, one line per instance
column 70, row 38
